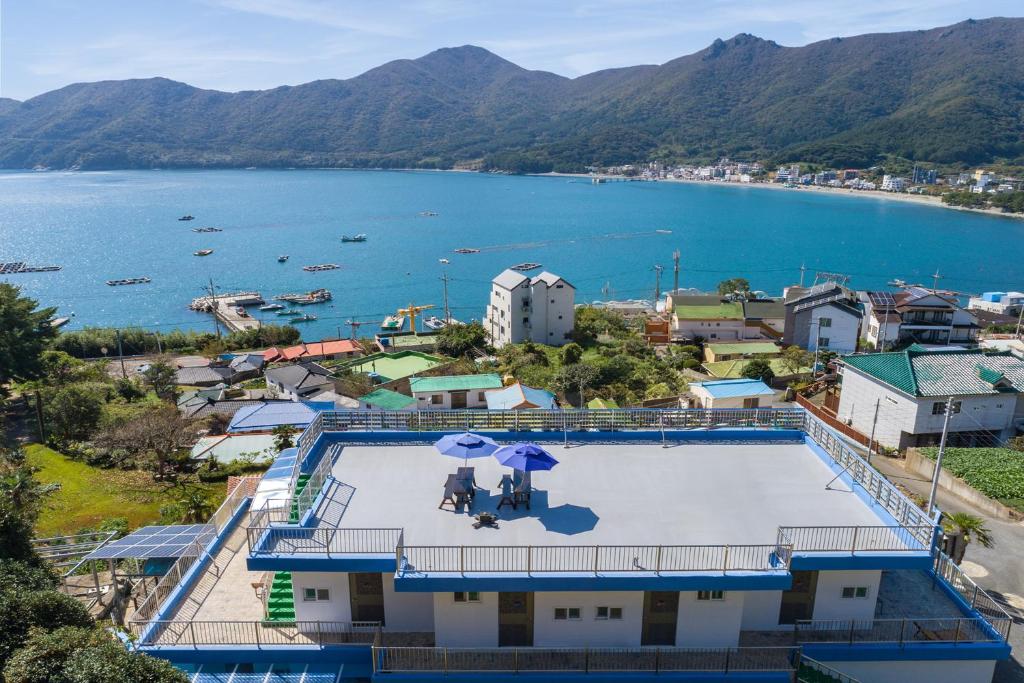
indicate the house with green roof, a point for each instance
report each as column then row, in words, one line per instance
column 385, row 399
column 709, row 317
column 714, row 352
column 453, row 392
column 911, row 389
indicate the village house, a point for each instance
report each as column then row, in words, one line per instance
column 708, row 317
column 520, row 397
column 298, row 382
column 540, row 309
column 453, row 392
column 322, row 350
column 826, row 316
column 916, row 315
column 733, row 393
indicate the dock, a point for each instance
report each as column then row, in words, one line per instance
column 229, row 309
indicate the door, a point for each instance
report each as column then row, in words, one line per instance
column 366, row 594
column 661, row 611
column 458, row 399
column 515, row 619
column 798, row 601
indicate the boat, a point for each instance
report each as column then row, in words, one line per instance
column 187, row 217
column 271, row 307
column 321, row 266
column 202, row 252
column 393, row 322
column 309, row 317
column 444, row 261
column 207, row 229
column 361, row 237
column 433, row 323
column 289, row 311
column 467, row 250
column 282, row 258
column 428, row 213
column 14, row 267
column 129, row 281
column 523, row 267
column 663, row 232
column 60, row 322
column 317, row 296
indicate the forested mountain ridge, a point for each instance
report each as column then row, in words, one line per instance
column 946, row 95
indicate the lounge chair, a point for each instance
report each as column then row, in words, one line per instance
column 449, row 493
column 506, row 492
column 522, row 491
column 467, row 477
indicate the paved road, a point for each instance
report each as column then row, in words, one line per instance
column 999, row 569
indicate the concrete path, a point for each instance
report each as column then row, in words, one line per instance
column 999, row 570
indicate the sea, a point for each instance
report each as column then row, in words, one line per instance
column 607, row 240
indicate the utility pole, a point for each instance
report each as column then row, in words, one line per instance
column 803, row 270
column 39, row 417
column 675, row 279
column 657, row 283
column 938, row 458
column 447, row 313
column 159, row 346
column 1020, row 316
column 935, row 280
column 213, row 307
column 120, row 355
column 874, row 423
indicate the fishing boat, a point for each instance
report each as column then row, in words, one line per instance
column 202, row 252
column 317, row 296
column 361, row 237
column 428, row 213
column 322, row 266
column 207, row 229
column 289, row 311
column 393, row 323
column 309, row 317
column 433, row 323
column 129, row 281
column 524, row 267
column 187, row 217
column 271, row 307
column 282, row 258
column 467, row 250
column 443, row 260
column 663, row 232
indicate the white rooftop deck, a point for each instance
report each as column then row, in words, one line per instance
column 609, row 494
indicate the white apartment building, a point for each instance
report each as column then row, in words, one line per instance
column 1004, row 303
column 891, row 183
column 539, row 309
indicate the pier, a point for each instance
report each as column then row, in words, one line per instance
column 229, row 309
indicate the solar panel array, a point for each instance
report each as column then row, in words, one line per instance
column 155, row 541
column 882, row 299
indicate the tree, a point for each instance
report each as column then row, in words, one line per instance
column 590, row 322
column 24, row 332
column 283, row 437
column 971, row 527
column 759, row 368
column 578, row 376
column 73, row 412
column 158, row 437
column 159, row 376
column 794, row 359
column 571, row 353
column 60, row 368
column 736, row 285
column 195, row 507
column 1016, row 444
column 460, row 340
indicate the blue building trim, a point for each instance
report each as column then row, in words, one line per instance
column 908, row 652
column 562, row 677
column 748, row 434
column 862, row 560
column 322, row 563
column 570, row 581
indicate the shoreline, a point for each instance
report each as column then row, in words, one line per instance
column 920, row 200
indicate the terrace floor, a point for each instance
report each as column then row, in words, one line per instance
column 602, row 494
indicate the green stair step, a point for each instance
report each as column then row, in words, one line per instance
column 281, row 601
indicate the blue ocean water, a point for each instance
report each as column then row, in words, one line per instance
column 108, row 225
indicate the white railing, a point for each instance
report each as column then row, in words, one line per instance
column 973, row 594
column 174, row 633
column 813, row 671
column 299, row 540
column 857, row 538
column 900, row 631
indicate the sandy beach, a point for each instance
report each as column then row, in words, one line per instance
column 920, row 200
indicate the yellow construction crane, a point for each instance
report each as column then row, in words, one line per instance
column 412, row 312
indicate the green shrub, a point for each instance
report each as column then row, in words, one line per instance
column 996, row 472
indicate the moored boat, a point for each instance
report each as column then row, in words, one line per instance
column 361, row 237
column 282, row 258
column 289, row 311
column 309, row 317
column 322, row 266
column 129, row 281
column 187, row 217
column 202, row 252
column 271, row 307
column 433, row 323
column 317, row 296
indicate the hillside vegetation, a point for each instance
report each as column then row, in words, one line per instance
column 947, row 95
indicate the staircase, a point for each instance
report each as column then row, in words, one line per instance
column 281, row 601
column 300, row 484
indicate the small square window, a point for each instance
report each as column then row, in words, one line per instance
column 316, row 595
column 852, row 592
column 309, row 595
column 604, row 613
column 323, row 595
column 711, row 595
column 567, row 613
column 467, row 596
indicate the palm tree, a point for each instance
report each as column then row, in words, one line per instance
column 195, row 508
column 970, row 527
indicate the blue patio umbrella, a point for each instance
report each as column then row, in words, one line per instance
column 525, row 457
column 466, row 445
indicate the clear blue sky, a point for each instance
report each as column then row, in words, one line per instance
column 251, row 44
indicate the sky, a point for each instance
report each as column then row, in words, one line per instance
column 255, row 44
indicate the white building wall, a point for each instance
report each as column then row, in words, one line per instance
column 761, row 611
column 474, row 399
column 407, row 611
column 465, row 624
column 990, row 411
column 897, row 412
column 338, row 608
column 707, row 401
column 717, row 330
column 828, row 600
column 709, row 623
column 588, row 631
column 842, row 334
column 913, row 671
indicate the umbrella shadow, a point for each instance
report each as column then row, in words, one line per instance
column 568, row 519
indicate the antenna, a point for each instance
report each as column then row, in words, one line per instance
column 675, row 279
column 935, row 280
column 803, row 269
column 657, row 283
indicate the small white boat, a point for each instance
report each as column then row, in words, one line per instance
column 282, row 258
column 271, row 307
column 202, row 252
column 361, row 237
column 433, row 323
column 443, row 260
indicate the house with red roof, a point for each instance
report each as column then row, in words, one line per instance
column 321, row 350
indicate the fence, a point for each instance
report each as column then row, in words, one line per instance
column 593, row 559
column 857, row 538
column 899, row 631
column 973, row 594
column 321, row 540
column 583, row 660
column 192, row 553
column 831, row 421
column 903, row 510
column 813, row 671
column 259, row 633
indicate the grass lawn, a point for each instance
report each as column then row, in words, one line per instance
column 88, row 495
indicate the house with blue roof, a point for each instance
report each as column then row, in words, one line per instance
column 263, row 417
column 733, row 393
column 520, row 397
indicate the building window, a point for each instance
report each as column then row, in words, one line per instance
column 853, row 592
column 480, row 396
column 711, row 595
column 567, row 614
column 558, row 287
column 526, row 321
column 466, row 596
column 604, row 613
column 939, row 407
column 559, row 317
column 824, row 322
column 436, row 399
column 316, row 595
column 823, row 342
column 751, row 403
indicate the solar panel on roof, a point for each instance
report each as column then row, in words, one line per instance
column 882, row 299
column 155, row 541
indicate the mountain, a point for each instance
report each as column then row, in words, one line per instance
column 945, row 95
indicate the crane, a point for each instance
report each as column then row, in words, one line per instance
column 412, row 312
column 354, row 324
